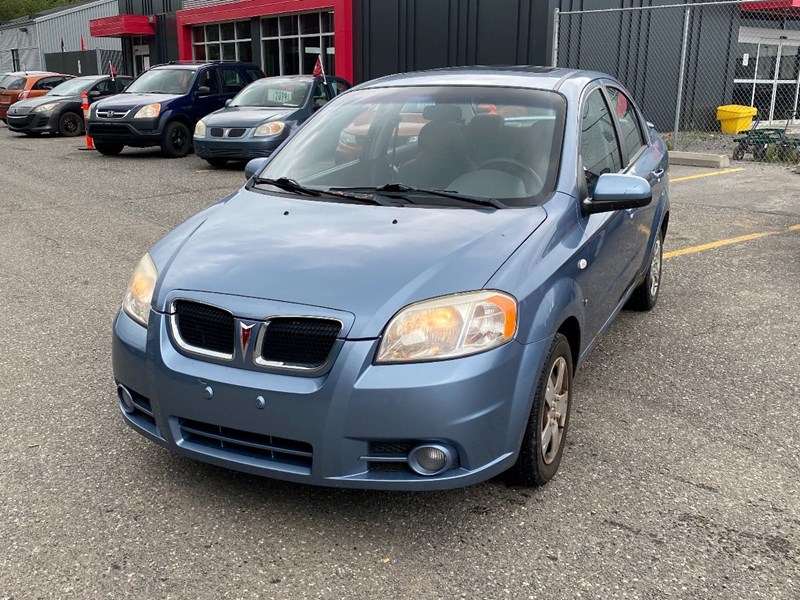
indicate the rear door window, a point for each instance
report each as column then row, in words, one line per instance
column 48, row 83
column 232, row 80
column 633, row 138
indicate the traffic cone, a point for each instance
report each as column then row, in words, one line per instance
column 85, row 107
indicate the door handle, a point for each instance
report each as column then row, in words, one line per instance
column 658, row 174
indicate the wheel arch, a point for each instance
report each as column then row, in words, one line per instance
column 571, row 329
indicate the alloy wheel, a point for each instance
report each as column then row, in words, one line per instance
column 555, row 410
column 655, row 267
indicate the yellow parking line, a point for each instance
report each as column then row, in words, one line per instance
column 712, row 174
column 726, row 242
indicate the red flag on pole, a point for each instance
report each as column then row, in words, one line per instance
column 112, row 71
column 83, row 43
column 319, row 70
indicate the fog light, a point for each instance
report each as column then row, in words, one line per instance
column 431, row 459
column 125, row 399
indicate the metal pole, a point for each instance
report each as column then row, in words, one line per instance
column 554, row 57
column 686, row 16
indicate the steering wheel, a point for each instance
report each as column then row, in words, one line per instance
column 530, row 178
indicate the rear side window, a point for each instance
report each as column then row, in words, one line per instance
column 10, row 82
column 48, row 83
column 253, row 74
column 599, row 147
column 232, row 80
column 633, row 138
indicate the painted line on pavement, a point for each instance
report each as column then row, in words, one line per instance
column 712, row 174
column 726, row 242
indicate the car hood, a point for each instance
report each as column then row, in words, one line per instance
column 367, row 260
column 128, row 101
column 31, row 103
column 247, row 116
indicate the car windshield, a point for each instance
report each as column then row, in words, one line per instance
column 12, row 82
column 72, row 87
column 163, row 81
column 482, row 142
column 273, row 92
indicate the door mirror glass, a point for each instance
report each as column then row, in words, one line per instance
column 614, row 191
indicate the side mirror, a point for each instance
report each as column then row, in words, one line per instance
column 254, row 166
column 203, row 90
column 618, row 192
column 95, row 94
column 228, row 101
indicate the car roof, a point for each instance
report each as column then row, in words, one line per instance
column 195, row 65
column 526, row 76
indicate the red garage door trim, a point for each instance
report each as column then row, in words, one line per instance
column 778, row 6
column 122, row 26
column 246, row 9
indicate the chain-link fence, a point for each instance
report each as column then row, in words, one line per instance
column 683, row 61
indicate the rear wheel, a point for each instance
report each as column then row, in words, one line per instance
column 217, row 163
column 176, row 142
column 70, row 124
column 738, row 153
column 645, row 296
column 108, row 149
column 546, row 432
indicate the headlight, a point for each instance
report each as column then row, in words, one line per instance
column 347, row 138
column 271, row 128
column 140, row 291
column 449, row 327
column 200, row 129
column 45, row 107
column 151, row 111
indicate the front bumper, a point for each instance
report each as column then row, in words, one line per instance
column 318, row 430
column 245, row 149
column 140, row 134
column 46, row 122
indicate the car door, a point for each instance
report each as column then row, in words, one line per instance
column 102, row 89
column 640, row 159
column 207, row 100
column 602, row 279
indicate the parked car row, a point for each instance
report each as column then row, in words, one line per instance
column 224, row 110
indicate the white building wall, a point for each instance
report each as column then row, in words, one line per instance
column 14, row 38
column 71, row 23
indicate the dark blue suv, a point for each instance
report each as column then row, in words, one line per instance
column 162, row 106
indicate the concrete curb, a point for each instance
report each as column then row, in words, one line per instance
column 699, row 159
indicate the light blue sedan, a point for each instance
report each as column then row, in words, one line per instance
column 410, row 318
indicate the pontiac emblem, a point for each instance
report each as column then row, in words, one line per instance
column 246, row 331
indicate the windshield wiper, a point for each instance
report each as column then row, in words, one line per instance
column 403, row 188
column 290, row 185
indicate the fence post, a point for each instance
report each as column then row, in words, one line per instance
column 686, row 16
column 554, row 57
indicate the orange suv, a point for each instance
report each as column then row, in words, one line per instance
column 26, row 84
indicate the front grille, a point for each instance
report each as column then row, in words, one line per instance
column 248, row 444
column 217, row 132
column 299, row 342
column 205, row 327
column 236, row 132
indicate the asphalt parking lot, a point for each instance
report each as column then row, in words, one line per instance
column 681, row 478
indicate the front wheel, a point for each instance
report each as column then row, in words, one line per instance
column 108, row 149
column 176, row 142
column 546, row 432
column 70, row 124
column 645, row 296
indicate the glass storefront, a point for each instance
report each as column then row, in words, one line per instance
column 291, row 44
column 768, row 73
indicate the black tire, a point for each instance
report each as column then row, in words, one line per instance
column 760, row 152
column 645, row 296
column 738, row 153
column 217, row 163
column 177, row 142
column 70, row 124
column 536, row 465
column 108, row 149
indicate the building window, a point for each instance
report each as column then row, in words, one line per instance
column 223, row 41
column 15, row 66
column 292, row 43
